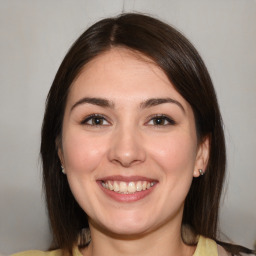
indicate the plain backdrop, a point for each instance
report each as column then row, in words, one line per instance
column 34, row 37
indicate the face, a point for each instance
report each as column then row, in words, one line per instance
column 129, row 144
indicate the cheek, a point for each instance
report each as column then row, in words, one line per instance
column 176, row 153
column 82, row 153
column 175, row 157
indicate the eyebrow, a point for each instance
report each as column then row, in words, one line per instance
column 94, row 101
column 109, row 104
column 157, row 101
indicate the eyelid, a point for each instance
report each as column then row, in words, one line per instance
column 170, row 120
column 91, row 116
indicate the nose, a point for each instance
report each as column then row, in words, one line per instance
column 127, row 148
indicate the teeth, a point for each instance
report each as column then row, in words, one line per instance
column 131, row 187
column 139, row 186
column 127, row 187
column 123, row 187
column 116, row 186
column 144, row 185
column 110, row 186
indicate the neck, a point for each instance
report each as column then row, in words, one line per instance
column 164, row 241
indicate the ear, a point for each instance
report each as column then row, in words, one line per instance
column 59, row 150
column 202, row 156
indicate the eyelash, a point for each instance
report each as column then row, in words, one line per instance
column 167, row 120
column 161, row 117
column 94, row 117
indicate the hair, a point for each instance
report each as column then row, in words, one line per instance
column 180, row 61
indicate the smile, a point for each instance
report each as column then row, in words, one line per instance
column 130, row 187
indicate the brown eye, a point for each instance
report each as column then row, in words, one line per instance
column 95, row 120
column 161, row 121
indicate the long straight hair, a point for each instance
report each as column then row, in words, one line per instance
column 180, row 61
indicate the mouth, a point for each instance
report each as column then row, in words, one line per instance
column 127, row 189
column 130, row 187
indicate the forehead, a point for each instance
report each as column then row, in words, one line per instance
column 120, row 73
column 117, row 62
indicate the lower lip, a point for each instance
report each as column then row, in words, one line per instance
column 127, row 198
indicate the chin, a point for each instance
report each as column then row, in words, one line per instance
column 124, row 226
column 128, row 230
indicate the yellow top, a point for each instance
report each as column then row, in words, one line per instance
column 59, row 252
column 205, row 247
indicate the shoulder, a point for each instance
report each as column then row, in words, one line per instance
column 207, row 246
column 59, row 252
column 39, row 253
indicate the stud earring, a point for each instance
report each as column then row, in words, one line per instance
column 201, row 172
column 63, row 170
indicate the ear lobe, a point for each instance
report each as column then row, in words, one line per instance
column 202, row 157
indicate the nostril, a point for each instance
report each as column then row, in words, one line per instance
column 126, row 148
column 125, row 162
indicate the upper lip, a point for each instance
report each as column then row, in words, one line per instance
column 126, row 178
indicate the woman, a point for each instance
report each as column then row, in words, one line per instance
column 133, row 122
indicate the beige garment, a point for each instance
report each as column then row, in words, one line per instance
column 205, row 247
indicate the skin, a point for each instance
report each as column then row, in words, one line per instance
column 128, row 142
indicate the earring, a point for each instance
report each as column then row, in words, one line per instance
column 62, row 169
column 201, row 172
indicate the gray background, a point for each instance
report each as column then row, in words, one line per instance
column 35, row 35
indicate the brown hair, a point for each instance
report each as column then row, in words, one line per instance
column 176, row 56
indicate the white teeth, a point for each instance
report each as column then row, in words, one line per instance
column 127, row 188
column 116, row 186
column 123, row 187
column 131, row 187
column 144, row 185
column 139, row 186
column 110, row 186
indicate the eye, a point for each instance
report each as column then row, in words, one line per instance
column 161, row 120
column 95, row 120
